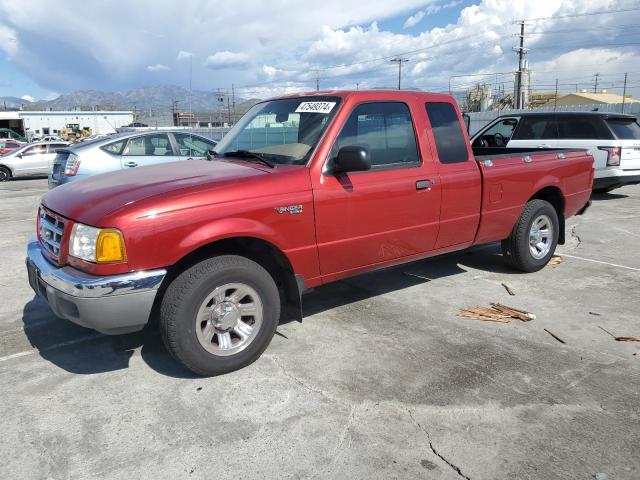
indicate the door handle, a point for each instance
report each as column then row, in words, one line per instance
column 130, row 164
column 425, row 184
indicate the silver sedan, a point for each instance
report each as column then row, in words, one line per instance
column 32, row 160
column 123, row 151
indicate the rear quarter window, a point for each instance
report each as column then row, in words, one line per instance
column 115, row 148
column 582, row 128
column 624, row 129
column 447, row 131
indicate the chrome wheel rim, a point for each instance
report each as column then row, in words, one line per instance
column 4, row 176
column 229, row 319
column 540, row 236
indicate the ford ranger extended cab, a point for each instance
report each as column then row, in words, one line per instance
column 304, row 190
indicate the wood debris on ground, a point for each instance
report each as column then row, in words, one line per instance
column 496, row 313
column 508, row 289
column 623, row 338
column 555, row 260
column 554, row 336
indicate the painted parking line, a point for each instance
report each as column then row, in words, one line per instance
column 600, row 261
column 52, row 347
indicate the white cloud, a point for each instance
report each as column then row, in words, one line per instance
column 183, row 55
column 227, row 59
column 158, row 67
column 28, row 98
column 414, row 19
column 8, row 40
column 431, row 9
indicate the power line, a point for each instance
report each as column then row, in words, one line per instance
column 586, row 14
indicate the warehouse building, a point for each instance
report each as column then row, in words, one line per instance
column 40, row 123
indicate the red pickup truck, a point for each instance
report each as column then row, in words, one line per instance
column 304, row 190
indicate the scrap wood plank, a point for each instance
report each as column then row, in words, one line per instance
column 496, row 313
column 623, row 338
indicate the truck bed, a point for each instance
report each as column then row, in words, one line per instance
column 509, row 175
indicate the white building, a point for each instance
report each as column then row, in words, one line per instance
column 39, row 123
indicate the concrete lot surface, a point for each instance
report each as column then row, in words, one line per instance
column 381, row 380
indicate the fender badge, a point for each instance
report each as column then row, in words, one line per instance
column 292, row 209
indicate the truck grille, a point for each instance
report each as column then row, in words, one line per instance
column 51, row 232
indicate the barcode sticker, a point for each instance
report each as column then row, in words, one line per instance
column 315, row 107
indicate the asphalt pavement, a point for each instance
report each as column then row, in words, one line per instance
column 381, row 380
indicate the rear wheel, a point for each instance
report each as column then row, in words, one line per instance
column 534, row 238
column 220, row 314
column 5, row 174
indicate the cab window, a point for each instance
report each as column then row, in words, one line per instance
column 385, row 129
column 447, row 132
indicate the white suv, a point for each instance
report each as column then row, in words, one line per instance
column 612, row 138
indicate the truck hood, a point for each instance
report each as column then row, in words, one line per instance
column 91, row 199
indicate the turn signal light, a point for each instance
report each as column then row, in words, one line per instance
column 110, row 247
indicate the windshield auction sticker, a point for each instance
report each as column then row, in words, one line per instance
column 315, row 107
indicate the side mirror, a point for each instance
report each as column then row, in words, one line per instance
column 351, row 159
column 19, row 155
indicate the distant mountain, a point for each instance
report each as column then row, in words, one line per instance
column 12, row 103
column 151, row 100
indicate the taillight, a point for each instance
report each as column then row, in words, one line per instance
column 72, row 165
column 613, row 155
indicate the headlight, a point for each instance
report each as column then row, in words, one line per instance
column 99, row 245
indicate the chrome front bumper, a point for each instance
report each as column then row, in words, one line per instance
column 112, row 304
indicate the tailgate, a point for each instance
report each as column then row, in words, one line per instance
column 630, row 155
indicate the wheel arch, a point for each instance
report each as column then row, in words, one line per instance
column 554, row 196
column 264, row 253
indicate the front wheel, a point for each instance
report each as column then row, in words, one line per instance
column 534, row 238
column 220, row 314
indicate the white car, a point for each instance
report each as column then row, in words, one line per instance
column 32, row 160
column 612, row 138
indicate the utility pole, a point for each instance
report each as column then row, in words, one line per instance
column 228, row 110
column 399, row 61
column 233, row 100
column 555, row 97
column 190, row 79
column 624, row 91
column 317, row 72
column 521, row 51
column 595, row 83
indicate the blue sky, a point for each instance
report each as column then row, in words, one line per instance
column 264, row 48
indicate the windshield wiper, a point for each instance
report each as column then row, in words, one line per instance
column 250, row 156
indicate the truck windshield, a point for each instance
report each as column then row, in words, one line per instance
column 282, row 131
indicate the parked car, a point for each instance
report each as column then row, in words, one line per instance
column 7, row 146
column 612, row 138
column 125, row 151
column 51, row 138
column 34, row 159
column 304, row 190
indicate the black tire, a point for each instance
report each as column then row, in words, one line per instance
column 5, row 174
column 516, row 247
column 184, row 297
